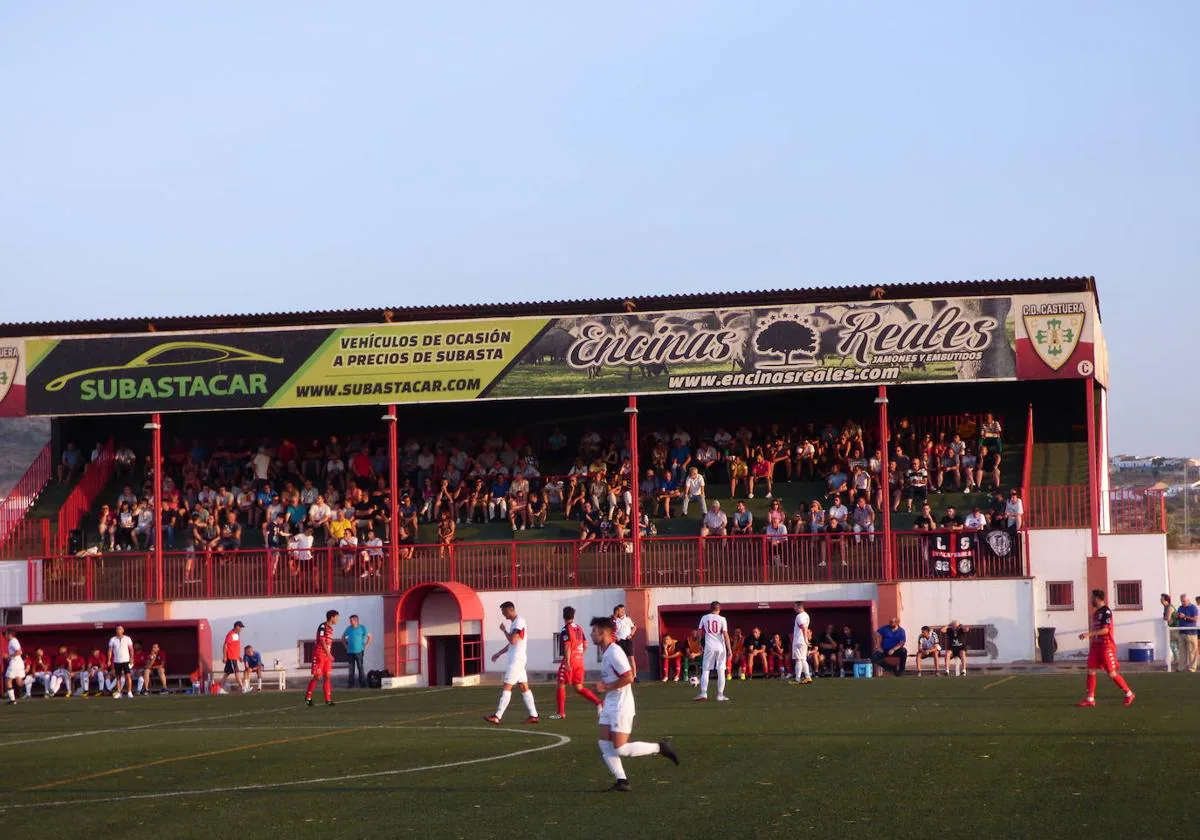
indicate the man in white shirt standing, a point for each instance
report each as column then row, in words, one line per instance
column 513, row 628
column 625, row 630
column 14, row 670
column 800, row 638
column 120, row 654
column 716, row 650
column 617, row 710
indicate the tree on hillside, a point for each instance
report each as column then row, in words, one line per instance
column 786, row 337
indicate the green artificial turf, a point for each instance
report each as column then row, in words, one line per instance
column 981, row 756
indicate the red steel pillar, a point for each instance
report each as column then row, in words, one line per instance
column 393, row 481
column 155, row 426
column 1093, row 473
column 635, row 511
column 889, row 572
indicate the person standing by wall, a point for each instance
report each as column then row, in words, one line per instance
column 357, row 639
column 1186, row 615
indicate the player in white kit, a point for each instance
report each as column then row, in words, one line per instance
column 716, row 650
column 513, row 628
column 14, row 669
column 800, row 639
column 617, row 709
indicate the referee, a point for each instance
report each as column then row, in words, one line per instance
column 624, row 635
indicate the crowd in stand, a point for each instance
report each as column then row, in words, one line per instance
column 334, row 492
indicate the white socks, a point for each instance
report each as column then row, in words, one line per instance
column 12, row 698
column 612, row 760
column 720, row 684
column 505, row 699
column 704, row 681
column 636, row 749
column 527, row 696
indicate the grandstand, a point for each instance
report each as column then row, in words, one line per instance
column 197, row 479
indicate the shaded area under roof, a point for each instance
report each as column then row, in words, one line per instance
column 589, row 306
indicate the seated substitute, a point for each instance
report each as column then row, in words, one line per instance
column 252, row 660
column 671, row 655
column 756, row 651
column 828, row 652
column 955, row 635
column 929, row 646
column 889, row 642
column 155, row 666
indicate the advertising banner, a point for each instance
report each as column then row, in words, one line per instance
column 702, row 351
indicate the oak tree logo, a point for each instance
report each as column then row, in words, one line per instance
column 792, row 338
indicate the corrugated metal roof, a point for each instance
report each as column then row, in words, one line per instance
column 586, row 306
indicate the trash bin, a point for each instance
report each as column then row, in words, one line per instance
column 654, row 660
column 1141, row 651
column 1047, row 643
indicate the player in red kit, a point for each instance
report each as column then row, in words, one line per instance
column 1102, row 651
column 571, row 671
column 322, row 663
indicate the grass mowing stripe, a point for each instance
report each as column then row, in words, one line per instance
column 170, row 760
column 559, row 741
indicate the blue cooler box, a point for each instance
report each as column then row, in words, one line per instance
column 1141, row 651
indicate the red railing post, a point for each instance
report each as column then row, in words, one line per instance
column 393, row 481
column 885, row 494
column 29, row 584
column 512, row 560
column 700, row 551
column 766, row 574
column 1027, row 472
column 156, row 491
column 829, row 555
column 1093, row 480
column 575, row 561
column 270, row 576
column 46, row 536
column 329, row 571
column 90, row 587
column 634, row 482
column 208, row 574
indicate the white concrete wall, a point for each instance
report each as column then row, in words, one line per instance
column 1183, row 570
column 1007, row 605
column 274, row 626
column 1138, row 557
column 542, row 612
column 14, row 582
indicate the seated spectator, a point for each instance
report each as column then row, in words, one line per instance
column 951, row 521
column 125, row 460
column 828, row 650
column 96, row 674
column 143, row 529
column 671, row 655
column 804, row 460
column 707, row 458
column 988, row 467
column 955, row 635
column 589, row 524
column 863, row 520
column 350, row 551
column 916, row 484
column 1014, row 511
column 976, row 521
column 760, row 473
column 736, row 659
column 861, row 483
column 231, row 534
column 739, row 472
column 536, row 510
column 816, row 518
column 837, row 482
column 948, row 467
column 798, row 524
column 300, row 545
column 715, row 522
column 928, row 647
column 106, row 526
column 64, row 671
column 991, row 434
column 252, row 664
column 155, row 665
column 777, row 657
column 997, row 509
column 695, row 655
column 446, row 532
column 838, row 510
column 925, row 520
column 693, row 490
column 553, row 492
column 518, row 504
column 408, row 540
column 756, row 652
column 848, row 647
column 666, row 491
column 319, row 516
column 373, row 555
column 743, row 520
column 70, row 466
column 889, row 642
column 498, row 506
column 895, row 486
column 837, row 531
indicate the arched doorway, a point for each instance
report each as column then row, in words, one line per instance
column 436, row 632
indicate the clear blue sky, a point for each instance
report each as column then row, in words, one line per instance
column 163, row 158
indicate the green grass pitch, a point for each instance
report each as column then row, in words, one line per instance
column 982, row 756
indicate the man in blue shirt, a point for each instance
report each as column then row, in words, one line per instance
column 889, row 641
column 1185, row 617
column 357, row 639
column 253, row 663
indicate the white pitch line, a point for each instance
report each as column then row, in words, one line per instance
column 276, row 709
column 560, row 741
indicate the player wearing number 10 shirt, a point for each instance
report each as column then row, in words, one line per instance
column 716, row 651
column 572, row 668
column 1102, row 651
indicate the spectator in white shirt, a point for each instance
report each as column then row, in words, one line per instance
column 976, row 521
column 1014, row 510
column 693, row 490
column 319, row 515
column 715, row 521
column 838, row 510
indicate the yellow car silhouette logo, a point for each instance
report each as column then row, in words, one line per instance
column 205, row 353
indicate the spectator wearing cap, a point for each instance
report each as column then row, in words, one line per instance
column 232, row 654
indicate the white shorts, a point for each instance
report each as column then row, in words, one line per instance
column 15, row 669
column 714, row 659
column 618, row 717
column 515, row 674
column 799, row 653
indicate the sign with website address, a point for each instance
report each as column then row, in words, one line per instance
column 737, row 349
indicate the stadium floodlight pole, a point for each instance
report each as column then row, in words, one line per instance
column 155, row 428
column 1093, row 473
column 635, row 506
column 393, row 478
column 885, row 493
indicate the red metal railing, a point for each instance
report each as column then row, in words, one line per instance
column 977, row 554
column 1131, row 510
column 24, row 493
column 95, row 476
column 1027, row 471
column 524, row 565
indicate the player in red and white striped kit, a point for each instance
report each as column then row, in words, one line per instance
column 322, row 663
column 571, row 670
column 1102, row 651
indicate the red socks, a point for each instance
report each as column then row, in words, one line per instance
column 562, row 699
column 328, row 690
column 587, row 694
column 312, row 684
column 1091, row 685
column 1121, row 684
column 584, row 692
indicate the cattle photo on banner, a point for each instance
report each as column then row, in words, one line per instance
column 953, row 553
